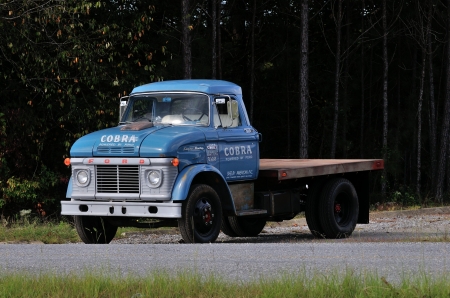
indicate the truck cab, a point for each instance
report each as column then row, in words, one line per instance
column 171, row 134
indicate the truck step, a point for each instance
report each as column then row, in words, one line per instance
column 249, row 212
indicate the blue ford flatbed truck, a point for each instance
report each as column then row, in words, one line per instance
column 185, row 154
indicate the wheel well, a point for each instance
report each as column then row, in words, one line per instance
column 216, row 182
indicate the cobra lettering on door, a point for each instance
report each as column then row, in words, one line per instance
column 238, row 160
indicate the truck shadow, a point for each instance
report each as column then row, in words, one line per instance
column 291, row 237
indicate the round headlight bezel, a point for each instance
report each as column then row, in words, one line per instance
column 83, row 177
column 154, row 178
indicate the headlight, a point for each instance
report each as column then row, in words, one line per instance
column 83, row 177
column 154, row 178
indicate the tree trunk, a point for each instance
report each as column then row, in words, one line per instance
column 213, row 39
column 186, row 39
column 304, row 91
column 419, row 122
column 338, row 20
column 425, row 40
column 219, row 42
column 440, row 176
column 361, row 137
column 385, row 98
column 432, row 104
column 345, row 96
column 252, row 64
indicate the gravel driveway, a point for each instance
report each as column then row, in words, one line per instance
column 429, row 224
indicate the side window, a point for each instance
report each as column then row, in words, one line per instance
column 227, row 113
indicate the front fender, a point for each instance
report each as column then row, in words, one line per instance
column 184, row 180
column 69, row 189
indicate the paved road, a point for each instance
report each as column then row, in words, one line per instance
column 233, row 261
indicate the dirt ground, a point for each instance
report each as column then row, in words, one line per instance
column 430, row 224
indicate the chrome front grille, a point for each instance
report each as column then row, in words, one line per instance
column 117, row 179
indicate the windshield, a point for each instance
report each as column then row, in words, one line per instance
column 168, row 108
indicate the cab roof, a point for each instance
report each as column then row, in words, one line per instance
column 205, row 86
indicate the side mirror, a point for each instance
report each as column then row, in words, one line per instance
column 232, row 109
column 123, row 105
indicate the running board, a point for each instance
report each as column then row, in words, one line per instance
column 249, row 212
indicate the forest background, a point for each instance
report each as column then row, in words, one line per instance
column 321, row 79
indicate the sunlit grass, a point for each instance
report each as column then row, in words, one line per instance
column 194, row 285
column 26, row 231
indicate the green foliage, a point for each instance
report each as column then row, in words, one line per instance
column 18, row 193
column 64, row 66
column 405, row 197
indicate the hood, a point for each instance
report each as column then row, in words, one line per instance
column 124, row 140
column 136, row 140
column 165, row 142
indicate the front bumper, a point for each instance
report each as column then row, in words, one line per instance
column 123, row 209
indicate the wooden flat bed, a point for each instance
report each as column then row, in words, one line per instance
column 284, row 169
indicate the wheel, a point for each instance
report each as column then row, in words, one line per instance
column 201, row 215
column 247, row 226
column 94, row 229
column 194, row 111
column 312, row 210
column 226, row 227
column 339, row 208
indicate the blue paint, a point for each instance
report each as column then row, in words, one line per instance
column 69, row 189
column 185, row 177
column 204, row 86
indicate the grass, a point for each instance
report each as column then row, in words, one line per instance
column 26, row 230
column 194, row 285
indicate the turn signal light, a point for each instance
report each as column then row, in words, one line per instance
column 175, row 162
column 67, row 161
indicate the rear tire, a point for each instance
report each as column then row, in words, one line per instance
column 201, row 215
column 312, row 210
column 226, row 227
column 339, row 208
column 247, row 226
column 94, row 229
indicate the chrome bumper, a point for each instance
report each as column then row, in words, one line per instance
column 124, row 209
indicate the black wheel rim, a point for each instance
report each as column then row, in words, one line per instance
column 203, row 217
column 342, row 209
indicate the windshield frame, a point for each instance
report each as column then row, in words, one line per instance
column 163, row 105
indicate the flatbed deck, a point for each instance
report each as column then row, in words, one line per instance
column 284, row 169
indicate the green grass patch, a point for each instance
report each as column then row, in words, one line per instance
column 26, row 231
column 194, row 285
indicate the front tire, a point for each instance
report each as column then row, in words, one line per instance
column 339, row 208
column 94, row 229
column 201, row 215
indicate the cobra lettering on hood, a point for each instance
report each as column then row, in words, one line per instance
column 119, row 138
